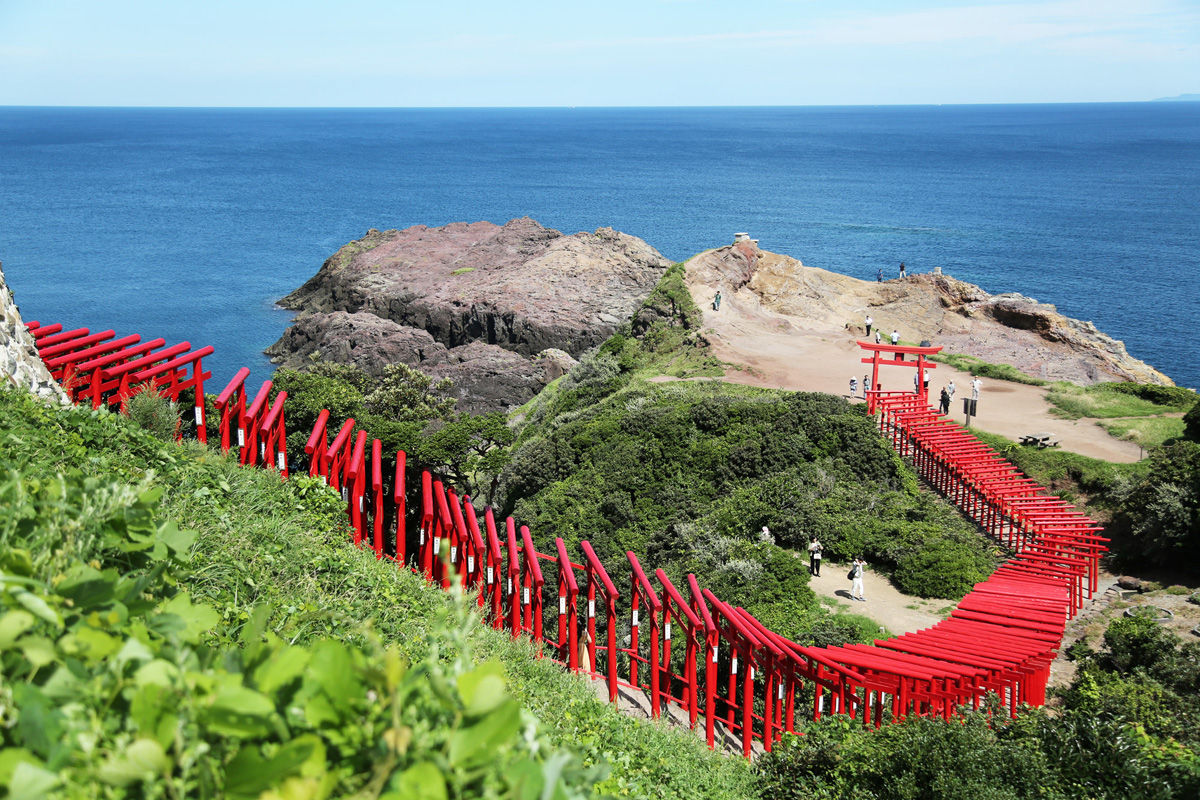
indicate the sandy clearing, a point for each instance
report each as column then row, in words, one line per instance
column 896, row 612
column 768, row 349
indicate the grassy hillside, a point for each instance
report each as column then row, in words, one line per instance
column 687, row 472
column 174, row 624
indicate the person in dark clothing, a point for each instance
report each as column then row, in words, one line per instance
column 879, row 277
column 902, row 271
column 944, row 405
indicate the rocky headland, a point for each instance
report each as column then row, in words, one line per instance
column 501, row 310
column 1000, row 328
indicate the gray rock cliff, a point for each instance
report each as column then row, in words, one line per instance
column 498, row 309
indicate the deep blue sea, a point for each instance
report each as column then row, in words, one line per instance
column 190, row 223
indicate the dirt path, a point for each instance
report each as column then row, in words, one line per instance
column 885, row 604
column 770, row 349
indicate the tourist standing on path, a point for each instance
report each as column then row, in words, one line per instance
column 856, row 576
column 814, row 557
column 950, row 389
column 903, row 273
column 867, row 380
column 717, row 301
column 944, row 402
column 896, row 341
column 976, row 384
column 877, row 336
column 853, row 387
column 869, row 323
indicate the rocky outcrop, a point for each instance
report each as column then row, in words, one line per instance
column 1002, row 328
column 499, row 309
column 20, row 364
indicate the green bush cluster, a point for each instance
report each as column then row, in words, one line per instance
column 1157, row 516
column 686, row 475
column 1127, row 726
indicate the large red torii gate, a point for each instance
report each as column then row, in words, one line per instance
column 897, row 351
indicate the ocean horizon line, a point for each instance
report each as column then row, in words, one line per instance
column 1014, row 104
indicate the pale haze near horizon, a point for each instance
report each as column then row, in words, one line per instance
column 373, row 53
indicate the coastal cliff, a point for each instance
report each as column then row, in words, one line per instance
column 501, row 310
column 999, row 328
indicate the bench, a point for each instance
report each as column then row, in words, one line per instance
column 1040, row 440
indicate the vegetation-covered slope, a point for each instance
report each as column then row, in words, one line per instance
column 261, row 651
column 686, row 474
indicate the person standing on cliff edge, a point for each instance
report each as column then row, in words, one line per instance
column 903, row 274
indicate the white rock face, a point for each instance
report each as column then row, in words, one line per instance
column 20, row 364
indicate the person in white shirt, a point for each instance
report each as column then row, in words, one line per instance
column 856, row 573
column 814, row 557
column 975, row 386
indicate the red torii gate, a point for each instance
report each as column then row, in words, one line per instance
column 897, row 359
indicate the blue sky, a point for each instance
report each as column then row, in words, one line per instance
column 649, row 52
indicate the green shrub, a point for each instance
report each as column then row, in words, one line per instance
column 154, row 414
column 1191, row 422
column 1157, row 519
column 942, row 569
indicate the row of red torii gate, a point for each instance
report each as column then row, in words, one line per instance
column 666, row 643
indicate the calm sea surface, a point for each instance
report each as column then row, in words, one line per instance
column 189, row 223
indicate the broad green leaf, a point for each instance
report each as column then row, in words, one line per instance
column 239, row 712
column 526, row 781
column 145, row 759
column 333, row 670
column 482, row 689
column 178, row 540
column 192, row 620
column 284, row 666
column 249, row 773
column 38, row 650
column 89, row 643
column 133, row 650
column 476, row 743
column 37, row 606
column 394, row 667
column 423, row 781
column 30, row 782
column 12, row 625
column 40, row 725
column 10, row 758
column 157, row 672
column 296, row 789
column 146, row 708
column 17, row 562
column 318, row 712
column 88, row 587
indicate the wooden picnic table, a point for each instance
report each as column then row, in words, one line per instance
column 1041, row 440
